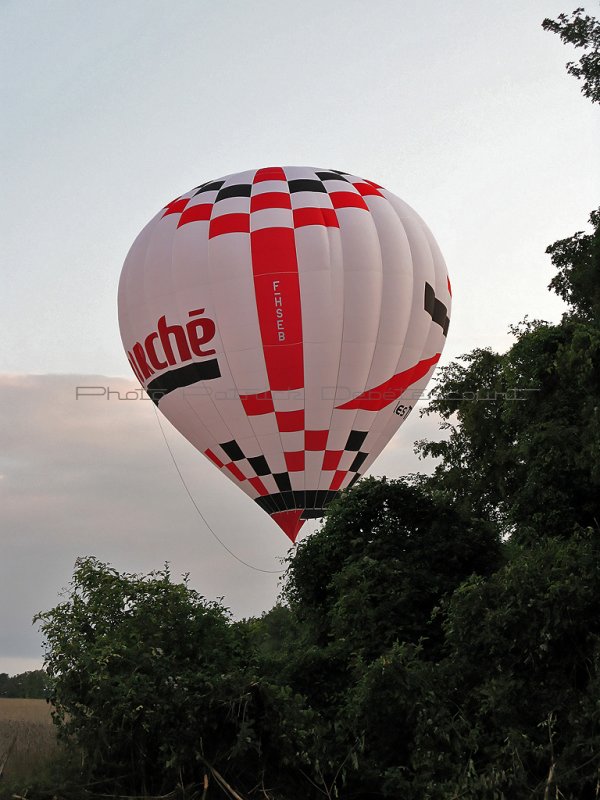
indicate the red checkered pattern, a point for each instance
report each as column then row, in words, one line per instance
column 240, row 469
column 318, row 209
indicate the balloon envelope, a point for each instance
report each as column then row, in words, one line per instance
column 285, row 320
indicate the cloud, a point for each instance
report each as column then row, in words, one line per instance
column 86, row 471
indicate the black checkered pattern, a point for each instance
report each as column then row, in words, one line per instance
column 312, row 503
column 182, row 205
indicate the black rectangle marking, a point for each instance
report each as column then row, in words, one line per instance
column 282, row 479
column 306, row 185
column 358, row 462
column 331, row 176
column 233, row 450
column 213, row 186
column 259, row 465
column 355, row 440
column 183, row 376
column 429, row 300
column 236, row 190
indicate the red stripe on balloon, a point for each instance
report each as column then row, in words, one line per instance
column 367, row 189
column 381, row 396
column 235, row 471
column 294, row 461
column 259, row 202
column 277, row 289
column 176, row 206
column 347, row 200
column 198, row 213
column 213, row 458
column 269, row 174
column 315, row 216
column 257, row 404
column 273, row 251
column 331, row 459
column 259, row 486
column 290, row 421
column 338, row 479
column 315, row 440
column 229, row 223
column 278, row 299
column 285, row 366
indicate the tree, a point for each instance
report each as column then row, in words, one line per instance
column 523, row 652
column 31, row 684
column 581, row 31
column 509, row 709
column 577, row 260
column 145, row 676
column 367, row 581
column 381, row 563
column 524, row 430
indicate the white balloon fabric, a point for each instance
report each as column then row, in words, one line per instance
column 285, row 320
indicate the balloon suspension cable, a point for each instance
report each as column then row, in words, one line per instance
column 200, row 514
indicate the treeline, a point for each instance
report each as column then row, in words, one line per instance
column 32, row 684
column 438, row 638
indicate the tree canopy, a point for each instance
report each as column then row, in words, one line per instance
column 30, row 684
column 583, row 32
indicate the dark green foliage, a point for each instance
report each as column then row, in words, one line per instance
column 32, row 684
column 145, row 676
column 385, row 557
column 510, row 710
column 522, row 655
column 504, row 706
column 577, row 261
column 524, row 440
column 581, row 31
column 383, row 710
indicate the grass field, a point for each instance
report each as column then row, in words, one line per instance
column 27, row 739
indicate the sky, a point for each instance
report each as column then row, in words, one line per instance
column 464, row 109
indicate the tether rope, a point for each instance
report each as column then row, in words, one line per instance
column 201, row 515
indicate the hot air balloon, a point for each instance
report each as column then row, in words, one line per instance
column 285, row 320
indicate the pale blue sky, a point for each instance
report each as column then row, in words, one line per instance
column 110, row 109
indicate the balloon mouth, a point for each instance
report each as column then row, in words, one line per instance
column 290, row 522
